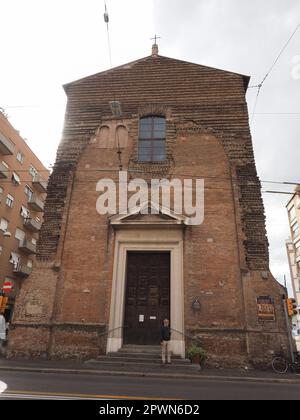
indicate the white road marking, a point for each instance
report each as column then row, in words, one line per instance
column 42, row 397
column 3, row 387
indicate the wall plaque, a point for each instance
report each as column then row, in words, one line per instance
column 265, row 308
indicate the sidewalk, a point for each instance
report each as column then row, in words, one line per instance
column 84, row 368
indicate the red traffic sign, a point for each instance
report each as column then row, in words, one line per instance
column 7, row 286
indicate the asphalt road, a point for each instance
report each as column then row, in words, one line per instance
column 21, row 385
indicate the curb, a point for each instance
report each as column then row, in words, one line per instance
column 150, row 375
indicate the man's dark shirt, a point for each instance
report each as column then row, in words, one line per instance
column 165, row 334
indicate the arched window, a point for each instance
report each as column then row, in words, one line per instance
column 122, row 136
column 152, row 139
column 104, row 137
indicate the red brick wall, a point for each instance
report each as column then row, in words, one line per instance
column 207, row 137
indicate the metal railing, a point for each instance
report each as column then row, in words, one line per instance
column 110, row 331
column 32, row 224
column 6, row 146
column 36, row 204
column 40, row 184
column 197, row 340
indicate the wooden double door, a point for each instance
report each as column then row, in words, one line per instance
column 147, row 300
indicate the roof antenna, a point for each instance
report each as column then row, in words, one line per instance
column 106, row 20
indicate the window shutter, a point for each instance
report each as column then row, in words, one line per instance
column 16, row 179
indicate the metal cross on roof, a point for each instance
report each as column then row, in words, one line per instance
column 156, row 38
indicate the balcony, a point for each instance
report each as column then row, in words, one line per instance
column 3, row 171
column 32, row 225
column 22, row 270
column 6, row 146
column 36, row 204
column 27, row 247
column 39, row 184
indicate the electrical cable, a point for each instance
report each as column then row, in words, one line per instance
column 280, row 54
column 92, row 181
column 255, row 104
column 260, row 85
column 140, row 171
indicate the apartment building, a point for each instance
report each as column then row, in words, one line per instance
column 293, row 208
column 293, row 252
column 293, row 245
column 23, row 185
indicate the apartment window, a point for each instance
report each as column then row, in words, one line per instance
column 10, row 200
column 15, row 179
column 3, row 225
column 1, row 193
column 20, row 157
column 29, row 263
column 1, row 249
column 152, row 139
column 5, row 164
column 33, row 240
column 33, row 172
column 24, row 212
column 20, row 234
column 28, row 192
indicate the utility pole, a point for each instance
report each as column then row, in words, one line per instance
column 285, row 284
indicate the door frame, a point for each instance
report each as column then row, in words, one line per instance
column 147, row 240
column 155, row 335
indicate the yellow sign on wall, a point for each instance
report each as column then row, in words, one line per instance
column 3, row 303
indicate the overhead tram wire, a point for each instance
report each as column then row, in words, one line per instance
column 206, row 187
column 24, row 182
column 216, row 178
column 281, row 192
column 260, row 85
column 115, row 105
column 255, row 104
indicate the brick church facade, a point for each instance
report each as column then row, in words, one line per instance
column 102, row 281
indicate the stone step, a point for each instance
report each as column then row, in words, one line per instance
column 139, row 360
column 140, row 355
column 132, row 348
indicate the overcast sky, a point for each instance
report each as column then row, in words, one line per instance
column 47, row 43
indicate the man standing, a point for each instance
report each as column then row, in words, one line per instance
column 2, row 338
column 165, row 342
column 2, row 328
